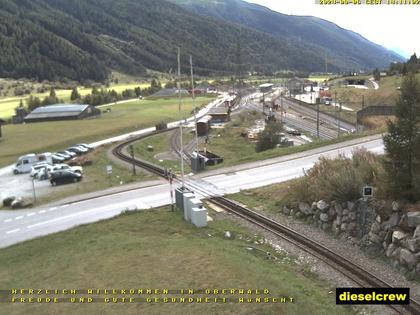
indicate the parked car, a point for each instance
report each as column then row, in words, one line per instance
column 72, row 154
column 24, row 163
column 65, row 167
column 39, row 169
column 84, row 145
column 57, row 158
column 64, row 155
column 65, row 176
column 78, row 150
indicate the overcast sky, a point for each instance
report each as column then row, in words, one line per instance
column 393, row 26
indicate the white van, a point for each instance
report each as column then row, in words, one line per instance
column 24, row 163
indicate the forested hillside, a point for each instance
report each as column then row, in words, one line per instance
column 86, row 39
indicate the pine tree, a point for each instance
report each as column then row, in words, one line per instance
column 75, row 94
column 402, row 143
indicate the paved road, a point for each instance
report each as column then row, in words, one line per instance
column 17, row 226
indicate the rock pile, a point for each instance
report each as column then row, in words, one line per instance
column 390, row 230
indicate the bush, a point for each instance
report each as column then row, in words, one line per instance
column 339, row 179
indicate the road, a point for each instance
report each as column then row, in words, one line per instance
column 17, row 226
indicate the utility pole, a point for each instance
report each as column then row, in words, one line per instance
column 336, row 110
column 180, row 125
column 171, row 177
column 195, row 109
column 281, row 108
column 317, row 119
column 33, row 190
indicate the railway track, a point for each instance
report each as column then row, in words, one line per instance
column 311, row 112
column 354, row 272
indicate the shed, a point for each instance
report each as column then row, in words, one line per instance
column 2, row 122
column 220, row 114
column 61, row 112
column 266, row 87
column 203, row 125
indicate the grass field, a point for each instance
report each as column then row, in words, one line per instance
column 50, row 136
column 157, row 250
column 229, row 144
column 8, row 104
column 387, row 94
column 161, row 145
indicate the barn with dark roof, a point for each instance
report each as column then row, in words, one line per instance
column 61, row 112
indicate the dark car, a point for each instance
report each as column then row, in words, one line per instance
column 64, row 176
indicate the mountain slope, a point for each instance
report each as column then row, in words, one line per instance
column 80, row 40
column 346, row 49
column 51, row 39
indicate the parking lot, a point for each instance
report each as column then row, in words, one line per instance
column 21, row 185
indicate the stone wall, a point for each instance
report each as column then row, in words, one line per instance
column 374, row 225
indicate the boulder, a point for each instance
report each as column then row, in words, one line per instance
column 7, row 202
column 313, row 206
column 395, row 206
column 351, row 227
column 390, row 250
column 331, row 212
column 305, row 208
column 20, row 203
column 396, row 253
column 394, row 219
column 375, row 228
column 351, row 206
column 378, row 219
column 228, row 234
column 398, row 236
column 352, row 216
column 413, row 219
column 413, row 245
column 407, row 258
column 286, row 210
column 374, row 238
column 338, row 221
column 417, row 232
column 324, row 217
column 404, row 223
column 343, row 226
column 418, row 269
column 388, row 237
column 346, row 212
column 322, row 205
column 338, row 209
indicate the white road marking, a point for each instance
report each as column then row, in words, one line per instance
column 42, row 211
column 30, row 214
column 13, row 231
column 8, row 220
column 19, row 218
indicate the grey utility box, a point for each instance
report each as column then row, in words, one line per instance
column 198, row 163
column 179, row 197
column 199, row 217
column 192, row 203
column 187, row 210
